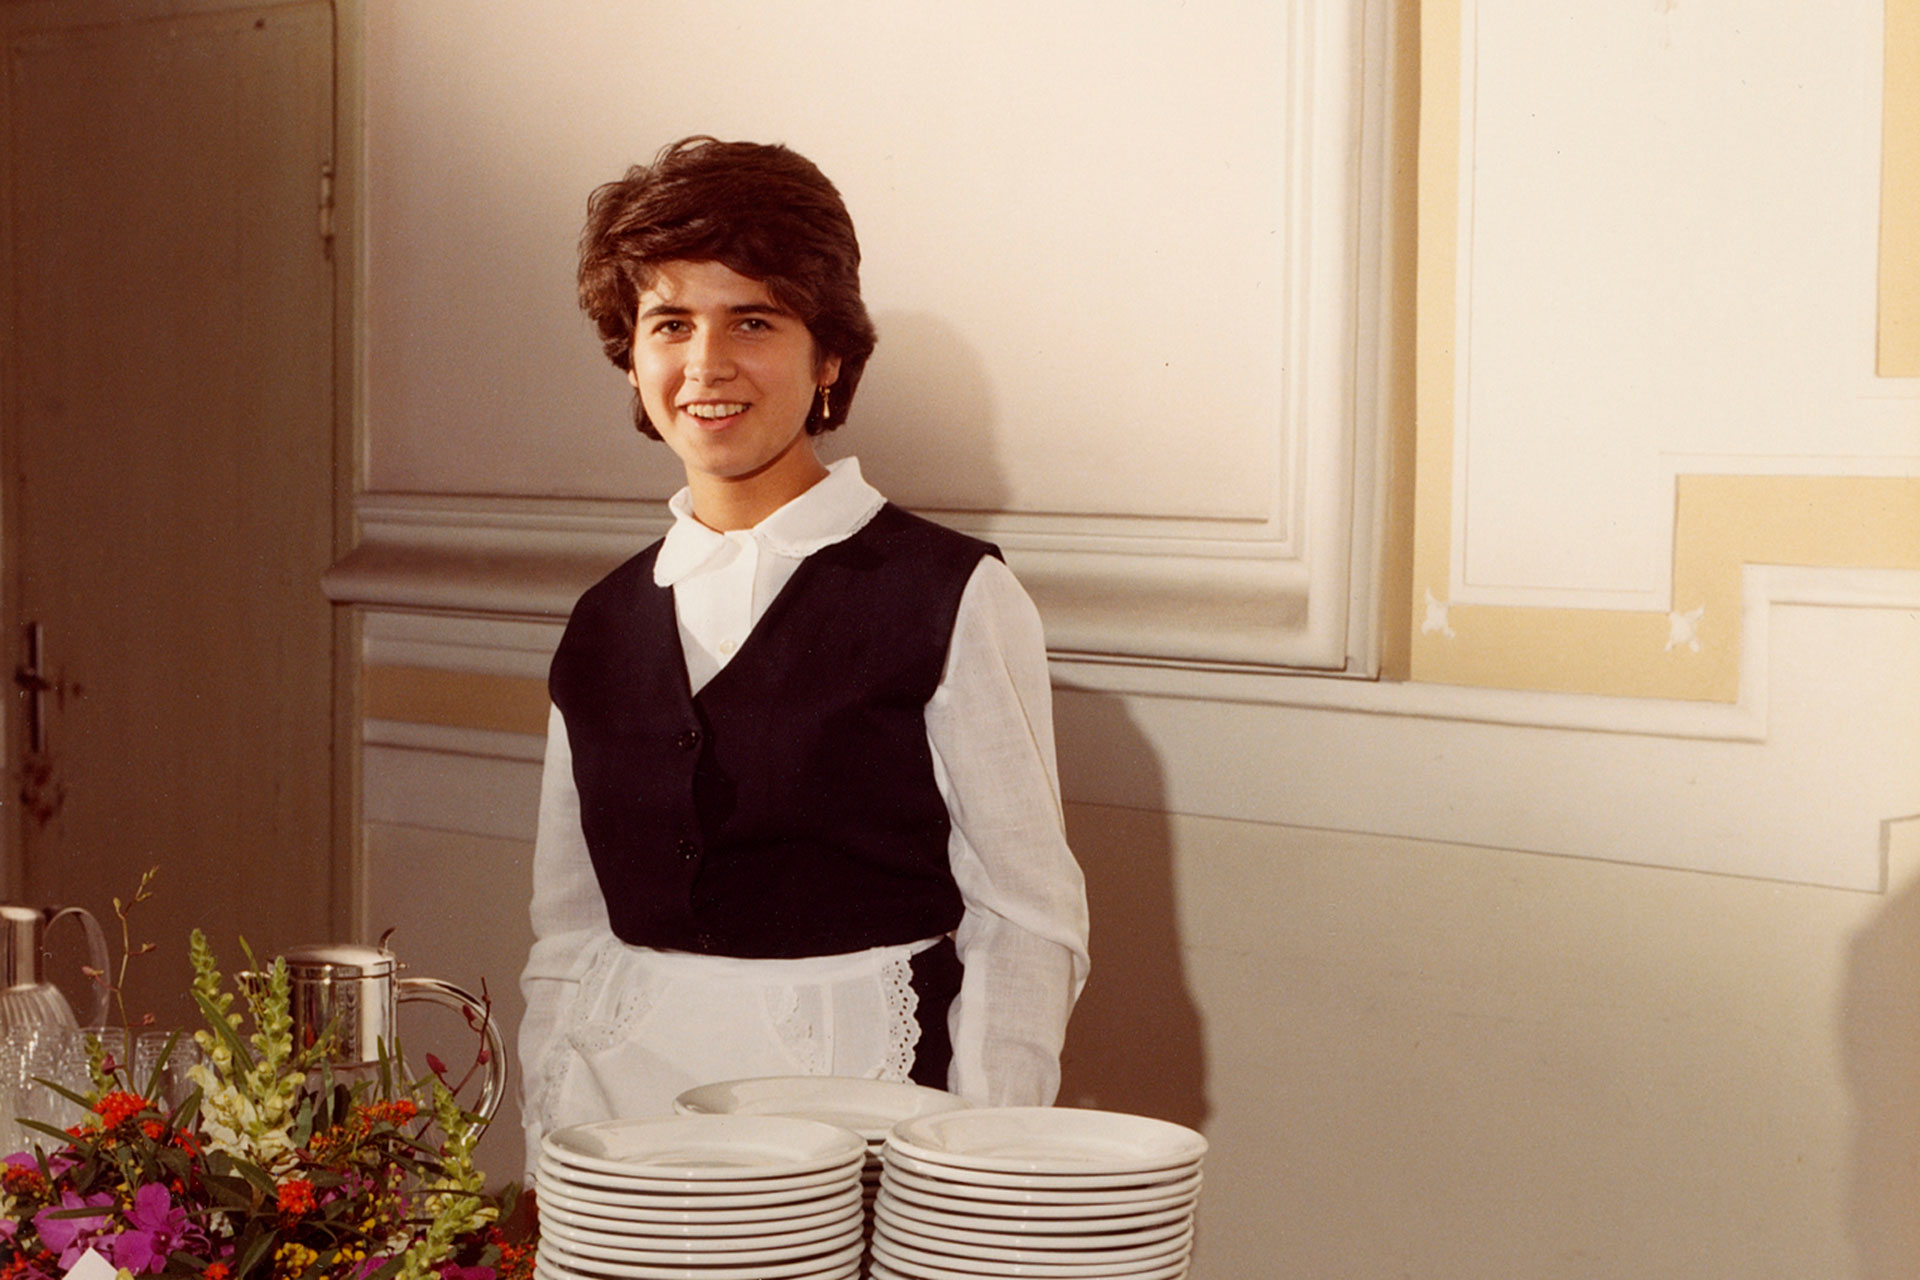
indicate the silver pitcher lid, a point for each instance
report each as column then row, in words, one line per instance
column 341, row 960
column 20, row 945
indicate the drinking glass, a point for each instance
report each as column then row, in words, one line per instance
column 172, row 1086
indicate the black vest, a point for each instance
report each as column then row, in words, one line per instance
column 790, row 809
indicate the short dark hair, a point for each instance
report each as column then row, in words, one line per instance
column 763, row 211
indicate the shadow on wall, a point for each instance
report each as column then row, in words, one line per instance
column 924, row 429
column 1880, row 1044
column 923, row 423
column 1135, row 1043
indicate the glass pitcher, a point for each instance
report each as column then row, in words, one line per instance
column 27, row 999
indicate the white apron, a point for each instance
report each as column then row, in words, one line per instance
column 644, row 1026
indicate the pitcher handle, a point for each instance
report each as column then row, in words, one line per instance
column 97, row 958
column 434, row 991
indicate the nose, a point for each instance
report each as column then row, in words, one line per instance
column 709, row 357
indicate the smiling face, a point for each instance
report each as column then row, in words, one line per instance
column 728, row 377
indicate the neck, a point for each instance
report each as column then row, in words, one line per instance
column 726, row 503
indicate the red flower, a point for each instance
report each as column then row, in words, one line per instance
column 296, row 1197
column 395, row 1113
column 118, row 1107
column 216, row 1271
column 22, row 1180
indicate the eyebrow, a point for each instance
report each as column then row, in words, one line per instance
column 739, row 309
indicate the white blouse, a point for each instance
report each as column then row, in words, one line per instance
column 1023, row 936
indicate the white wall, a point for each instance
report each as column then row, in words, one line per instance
column 1445, row 974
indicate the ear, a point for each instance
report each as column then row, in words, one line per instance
column 633, row 379
column 829, row 372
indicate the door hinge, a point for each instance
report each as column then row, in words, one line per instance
column 326, row 208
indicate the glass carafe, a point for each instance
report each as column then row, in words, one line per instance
column 27, row 999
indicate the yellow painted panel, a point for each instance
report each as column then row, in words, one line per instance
column 1439, row 232
column 1721, row 522
column 455, row 699
column 1899, row 355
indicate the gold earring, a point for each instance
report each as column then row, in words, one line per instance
column 826, row 402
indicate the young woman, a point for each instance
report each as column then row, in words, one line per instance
column 800, row 813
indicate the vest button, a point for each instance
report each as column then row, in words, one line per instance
column 687, row 739
column 687, row 850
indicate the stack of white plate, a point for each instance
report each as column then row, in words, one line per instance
column 1037, row 1192
column 700, row 1198
column 869, row 1108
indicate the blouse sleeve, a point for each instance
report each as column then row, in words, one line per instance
column 568, row 915
column 1023, row 937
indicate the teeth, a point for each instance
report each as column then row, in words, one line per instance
column 715, row 410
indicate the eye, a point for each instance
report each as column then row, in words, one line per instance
column 755, row 324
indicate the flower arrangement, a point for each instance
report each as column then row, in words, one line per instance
column 271, row 1168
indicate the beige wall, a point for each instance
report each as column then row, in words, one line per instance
column 1608, row 975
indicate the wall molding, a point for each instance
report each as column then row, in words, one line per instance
column 1282, row 576
column 1899, row 333
column 1799, row 782
column 1689, row 646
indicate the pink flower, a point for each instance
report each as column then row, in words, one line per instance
column 69, row 1236
column 155, row 1228
column 454, row 1271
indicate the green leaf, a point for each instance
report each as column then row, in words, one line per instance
column 256, row 1249
column 255, row 1175
column 151, row 1089
column 216, row 1020
column 187, row 1112
column 58, row 1135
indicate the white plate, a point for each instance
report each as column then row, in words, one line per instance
column 556, row 1271
column 744, row 1208
column 868, row 1107
column 766, row 1220
column 1048, row 1140
column 704, row 1147
column 703, row 1250
column 966, row 1254
column 590, row 1184
column 544, row 1270
column 1038, row 1181
column 935, row 1196
column 1072, row 1220
column 595, row 1269
column 915, row 1230
column 934, row 1266
column 626, row 1246
column 1050, row 1191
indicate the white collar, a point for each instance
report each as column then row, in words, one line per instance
column 833, row 510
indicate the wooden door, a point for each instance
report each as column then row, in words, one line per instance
column 170, row 478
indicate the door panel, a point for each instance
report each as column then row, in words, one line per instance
column 169, row 498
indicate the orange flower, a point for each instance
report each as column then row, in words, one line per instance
column 22, row 1180
column 118, row 1107
column 396, row 1112
column 216, row 1271
column 296, row 1197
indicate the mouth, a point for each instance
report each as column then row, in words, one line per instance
column 714, row 410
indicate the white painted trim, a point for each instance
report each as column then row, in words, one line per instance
column 451, row 642
column 445, row 740
column 518, row 647
column 1745, row 789
column 1289, row 589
